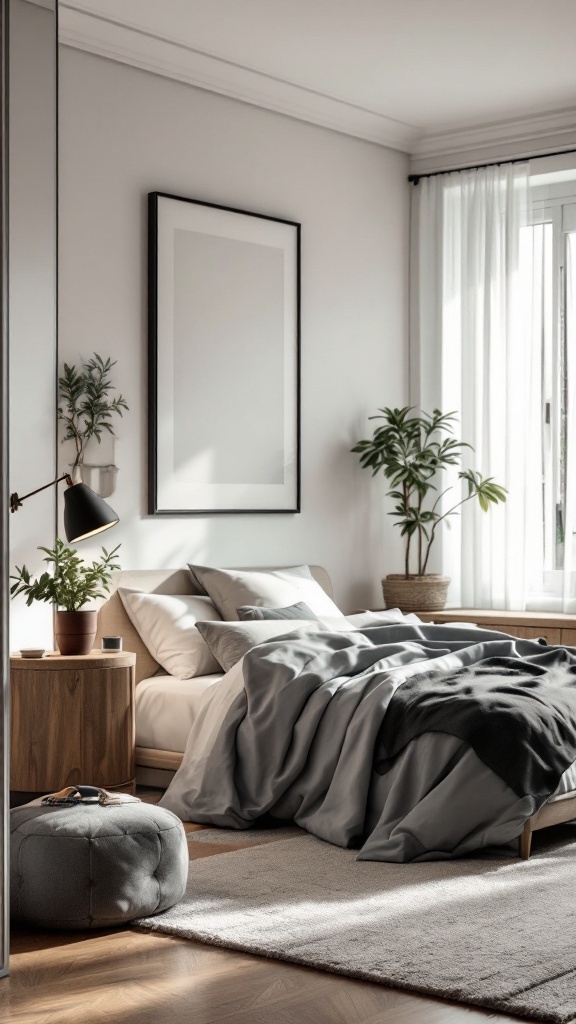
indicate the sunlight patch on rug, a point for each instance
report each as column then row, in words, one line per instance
column 496, row 932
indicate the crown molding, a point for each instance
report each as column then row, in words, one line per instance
column 84, row 29
column 535, row 135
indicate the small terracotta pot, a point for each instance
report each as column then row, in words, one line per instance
column 415, row 593
column 75, row 632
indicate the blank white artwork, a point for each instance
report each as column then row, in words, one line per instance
column 228, row 354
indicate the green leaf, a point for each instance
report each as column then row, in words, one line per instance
column 86, row 405
column 72, row 583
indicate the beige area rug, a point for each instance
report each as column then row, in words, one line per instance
column 248, row 837
column 496, row 932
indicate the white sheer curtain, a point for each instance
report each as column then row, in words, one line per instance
column 472, row 351
column 569, row 559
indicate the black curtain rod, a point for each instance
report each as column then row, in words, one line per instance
column 415, row 178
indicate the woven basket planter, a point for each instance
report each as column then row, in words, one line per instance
column 415, row 593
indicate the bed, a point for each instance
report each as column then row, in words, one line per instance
column 167, row 708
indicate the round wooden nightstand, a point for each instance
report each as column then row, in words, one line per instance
column 72, row 721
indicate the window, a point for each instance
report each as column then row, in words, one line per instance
column 548, row 259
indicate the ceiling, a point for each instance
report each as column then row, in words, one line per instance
column 420, row 67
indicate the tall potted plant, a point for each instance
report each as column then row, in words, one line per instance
column 70, row 586
column 412, row 451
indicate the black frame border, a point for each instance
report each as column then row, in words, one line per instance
column 153, row 509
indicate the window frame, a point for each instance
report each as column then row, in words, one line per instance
column 554, row 204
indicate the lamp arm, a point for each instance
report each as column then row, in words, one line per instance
column 16, row 500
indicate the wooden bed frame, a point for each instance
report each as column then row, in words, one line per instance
column 558, row 810
column 113, row 621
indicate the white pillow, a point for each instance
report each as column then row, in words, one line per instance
column 167, row 625
column 231, row 589
column 387, row 617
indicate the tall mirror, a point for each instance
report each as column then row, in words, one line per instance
column 28, row 448
column 4, row 743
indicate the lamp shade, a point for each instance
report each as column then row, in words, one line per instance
column 85, row 513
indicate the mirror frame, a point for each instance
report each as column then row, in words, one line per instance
column 10, row 125
column 4, row 595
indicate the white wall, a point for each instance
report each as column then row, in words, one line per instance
column 32, row 308
column 125, row 132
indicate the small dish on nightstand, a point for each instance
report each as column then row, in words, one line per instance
column 32, row 652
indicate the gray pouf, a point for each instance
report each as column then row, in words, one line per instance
column 94, row 866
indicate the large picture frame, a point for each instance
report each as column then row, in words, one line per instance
column 224, row 359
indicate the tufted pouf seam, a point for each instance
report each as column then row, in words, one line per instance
column 132, row 861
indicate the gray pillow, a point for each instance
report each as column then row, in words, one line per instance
column 230, row 641
column 230, row 589
column 253, row 613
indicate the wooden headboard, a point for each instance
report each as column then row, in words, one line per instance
column 113, row 620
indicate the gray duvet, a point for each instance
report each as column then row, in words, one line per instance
column 293, row 732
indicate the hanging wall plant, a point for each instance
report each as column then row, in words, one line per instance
column 87, row 406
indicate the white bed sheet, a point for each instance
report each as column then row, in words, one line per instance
column 166, row 708
column 568, row 781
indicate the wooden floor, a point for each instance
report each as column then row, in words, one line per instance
column 130, row 977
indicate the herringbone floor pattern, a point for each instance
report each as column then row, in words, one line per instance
column 129, row 977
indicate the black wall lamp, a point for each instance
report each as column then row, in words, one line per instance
column 85, row 513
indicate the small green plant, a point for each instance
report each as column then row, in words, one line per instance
column 411, row 451
column 87, row 407
column 72, row 583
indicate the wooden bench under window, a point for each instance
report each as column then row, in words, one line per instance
column 555, row 629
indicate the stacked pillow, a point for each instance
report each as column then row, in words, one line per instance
column 167, row 623
column 231, row 589
column 230, row 641
column 186, row 634
column 167, row 626
column 253, row 613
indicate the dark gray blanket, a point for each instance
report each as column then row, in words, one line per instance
column 518, row 716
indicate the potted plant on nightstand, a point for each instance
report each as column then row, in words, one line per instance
column 70, row 586
column 412, row 452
